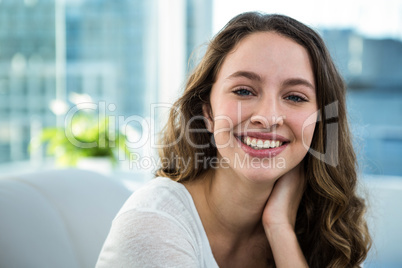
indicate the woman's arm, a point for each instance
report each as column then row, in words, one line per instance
column 279, row 219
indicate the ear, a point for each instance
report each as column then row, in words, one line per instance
column 207, row 113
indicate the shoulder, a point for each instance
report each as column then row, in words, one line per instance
column 160, row 195
column 154, row 228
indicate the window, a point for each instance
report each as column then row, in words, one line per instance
column 105, row 51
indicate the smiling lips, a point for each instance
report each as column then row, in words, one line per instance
column 262, row 144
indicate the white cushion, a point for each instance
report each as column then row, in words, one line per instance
column 56, row 218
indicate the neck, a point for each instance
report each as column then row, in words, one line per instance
column 230, row 208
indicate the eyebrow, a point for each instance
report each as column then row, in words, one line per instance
column 298, row 82
column 258, row 78
column 246, row 74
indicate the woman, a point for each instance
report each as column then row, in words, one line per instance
column 253, row 174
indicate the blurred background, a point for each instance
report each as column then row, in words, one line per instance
column 55, row 54
column 125, row 61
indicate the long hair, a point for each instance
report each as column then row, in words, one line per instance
column 330, row 224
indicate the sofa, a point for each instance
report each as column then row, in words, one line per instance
column 61, row 218
column 56, row 218
column 384, row 202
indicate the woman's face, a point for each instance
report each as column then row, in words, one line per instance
column 261, row 107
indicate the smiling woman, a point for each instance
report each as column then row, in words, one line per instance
column 273, row 70
column 264, row 90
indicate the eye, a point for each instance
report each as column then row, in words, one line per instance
column 296, row 98
column 243, row 92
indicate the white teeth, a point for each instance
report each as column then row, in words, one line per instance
column 261, row 144
column 246, row 140
column 266, row 144
column 253, row 142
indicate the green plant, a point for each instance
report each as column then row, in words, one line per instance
column 86, row 135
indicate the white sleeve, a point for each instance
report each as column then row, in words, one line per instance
column 147, row 239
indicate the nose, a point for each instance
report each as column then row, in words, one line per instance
column 267, row 115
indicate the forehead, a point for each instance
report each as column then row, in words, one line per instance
column 270, row 55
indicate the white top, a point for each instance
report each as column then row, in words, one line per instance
column 158, row 226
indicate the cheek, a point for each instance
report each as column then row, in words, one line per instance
column 308, row 133
column 304, row 126
column 226, row 115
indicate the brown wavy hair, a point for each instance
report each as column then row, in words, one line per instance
column 330, row 225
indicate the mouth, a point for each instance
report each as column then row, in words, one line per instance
column 262, row 144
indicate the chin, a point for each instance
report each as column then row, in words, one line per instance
column 263, row 174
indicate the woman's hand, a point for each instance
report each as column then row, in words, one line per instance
column 283, row 203
column 279, row 219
